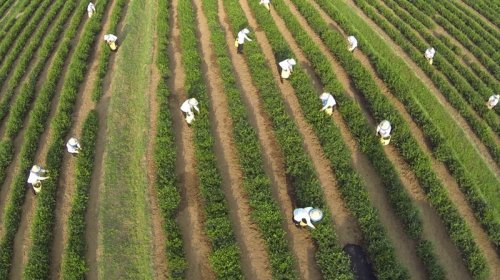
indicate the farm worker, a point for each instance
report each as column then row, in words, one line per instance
column 384, row 131
column 353, row 43
column 493, row 101
column 242, row 36
column 287, row 67
column 73, row 146
column 429, row 54
column 35, row 178
column 328, row 102
column 303, row 216
column 187, row 109
column 111, row 40
column 90, row 9
column 266, row 4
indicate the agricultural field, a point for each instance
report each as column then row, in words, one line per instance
column 150, row 196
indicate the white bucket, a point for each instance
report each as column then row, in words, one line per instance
column 285, row 74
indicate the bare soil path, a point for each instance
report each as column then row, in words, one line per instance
column 190, row 216
column 66, row 185
column 300, row 241
column 433, row 233
column 254, row 257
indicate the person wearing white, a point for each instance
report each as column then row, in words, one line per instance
column 111, row 40
column 429, row 54
column 287, row 67
column 303, row 216
column 328, row 102
column 242, row 36
column 187, row 109
column 91, row 9
column 493, row 101
column 36, row 177
column 353, row 43
column 266, row 4
column 73, row 146
column 384, row 128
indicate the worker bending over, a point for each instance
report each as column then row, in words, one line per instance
column 91, row 9
column 353, row 43
column 187, row 109
column 73, row 146
column 286, row 68
column 242, row 36
column 266, row 4
column 429, row 54
column 304, row 216
column 111, row 40
column 328, row 102
column 384, row 131
column 493, row 101
column 35, row 178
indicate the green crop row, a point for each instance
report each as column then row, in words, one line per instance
column 38, row 265
column 265, row 211
column 486, row 9
column 4, row 6
column 361, row 130
column 392, row 71
column 486, row 79
column 452, row 94
column 225, row 255
column 165, row 155
column 105, row 54
column 73, row 264
column 484, row 208
column 332, row 261
column 4, row 27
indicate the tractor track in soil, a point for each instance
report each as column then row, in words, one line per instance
column 66, row 184
column 190, row 215
column 92, row 236
column 299, row 241
column 456, row 196
column 22, row 240
column 254, row 257
column 405, row 247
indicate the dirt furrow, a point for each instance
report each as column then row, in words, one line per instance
column 66, row 184
column 455, row 115
column 300, row 241
column 190, row 216
column 434, row 233
column 254, row 257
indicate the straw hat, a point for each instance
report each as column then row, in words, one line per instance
column 316, row 215
column 292, row 61
column 35, row 169
column 193, row 102
column 72, row 141
column 385, row 124
column 246, row 31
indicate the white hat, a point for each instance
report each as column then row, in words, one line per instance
column 292, row 61
column 385, row 124
column 316, row 215
column 324, row 95
column 72, row 141
column 193, row 102
column 106, row 37
column 35, row 168
column 246, row 31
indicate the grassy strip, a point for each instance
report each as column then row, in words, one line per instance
column 361, row 130
column 449, row 89
column 486, row 215
column 74, row 265
column 225, row 255
column 165, row 155
column 394, row 72
column 486, row 9
column 38, row 265
column 265, row 210
column 330, row 258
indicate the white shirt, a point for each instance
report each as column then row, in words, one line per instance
column 429, row 53
column 110, row 38
column 285, row 65
column 264, row 2
column 384, row 132
column 35, row 177
column 187, row 108
column 303, row 213
column 90, row 7
column 73, row 149
column 242, row 36
column 352, row 41
column 328, row 101
column 493, row 100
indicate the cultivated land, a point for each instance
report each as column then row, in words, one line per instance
column 149, row 197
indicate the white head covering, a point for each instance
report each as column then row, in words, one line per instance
column 324, row 95
column 246, row 31
column 316, row 215
column 72, row 141
column 385, row 124
column 193, row 102
column 292, row 61
column 35, row 168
